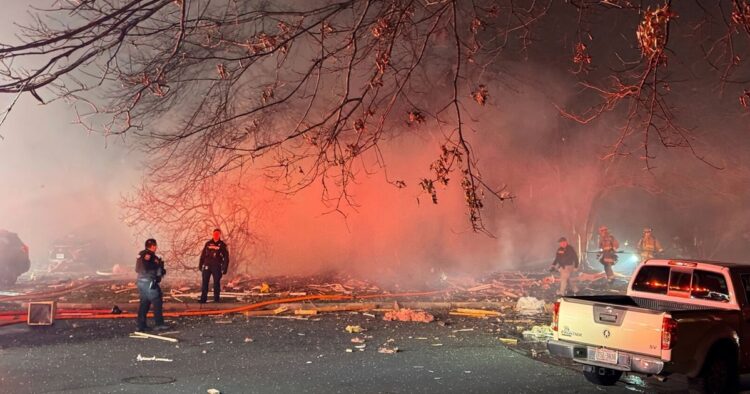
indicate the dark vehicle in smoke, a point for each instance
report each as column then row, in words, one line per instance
column 71, row 254
column 678, row 317
column 14, row 258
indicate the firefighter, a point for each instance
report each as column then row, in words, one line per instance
column 608, row 252
column 566, row 261
column 214, row 262
column 649, row 246
column 150, row 269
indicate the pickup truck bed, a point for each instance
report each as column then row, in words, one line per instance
column 644, row 303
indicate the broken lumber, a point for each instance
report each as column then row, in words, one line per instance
column 142, row 335
column 478, row 312
column 267, row 312
column 344, row 308
column 469, row 315
column 480, row 287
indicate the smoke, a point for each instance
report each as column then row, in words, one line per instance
column 59, row 180
column 555, row 169
column 398, row 234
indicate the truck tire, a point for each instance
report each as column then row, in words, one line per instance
column 601, row 376
column 719, row 373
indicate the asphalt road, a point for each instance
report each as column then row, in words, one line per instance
column 284, row 356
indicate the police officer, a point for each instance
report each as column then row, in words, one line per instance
column 214, row 262
column 608, row 245
column 150, row 269
column 649, row 246
column 566, row 261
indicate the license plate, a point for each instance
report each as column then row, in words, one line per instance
column 606, row 356
column 59, row 256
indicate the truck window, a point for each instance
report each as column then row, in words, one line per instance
column 710, row 286
column 652, row 279
column 679, row 282
column 746, row 285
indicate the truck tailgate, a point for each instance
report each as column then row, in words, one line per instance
column 617, row 327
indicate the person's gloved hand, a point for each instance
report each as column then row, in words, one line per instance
column 223, row 272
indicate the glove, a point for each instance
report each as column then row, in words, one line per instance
column 223, row 272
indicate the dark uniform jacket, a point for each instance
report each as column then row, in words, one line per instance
column 566, row 256
column 215, row 255
column 149, row 265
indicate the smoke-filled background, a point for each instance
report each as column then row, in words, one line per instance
column 57, row 180
column 554, row 167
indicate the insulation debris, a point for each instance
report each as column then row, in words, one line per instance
column 353, row 329
column 530, row 306
column 408, row 315
column 539, row 333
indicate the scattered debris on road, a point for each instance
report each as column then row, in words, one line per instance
column 405, row 314
column 153, row 358
column 353, row 329
column 539, row 333
column 388, row 350
column 143, row 335
column 530, row 306
column 477, row 313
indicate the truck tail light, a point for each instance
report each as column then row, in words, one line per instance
column 668, row 328
column 555, row 315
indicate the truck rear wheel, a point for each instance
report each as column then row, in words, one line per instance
column 719, row 373
column 601, row 376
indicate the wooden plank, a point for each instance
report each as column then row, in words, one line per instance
column 478, row 312
column 139, row 334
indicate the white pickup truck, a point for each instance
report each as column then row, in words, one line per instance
column 678, row 317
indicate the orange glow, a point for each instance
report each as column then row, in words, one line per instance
column 682, row 264
column 656, row 284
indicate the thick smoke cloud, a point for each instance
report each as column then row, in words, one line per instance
column 60, row 180
column 399, row 234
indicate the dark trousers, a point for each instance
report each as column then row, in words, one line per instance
column 208, row 272
column 150, row 295
column 608, row 259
